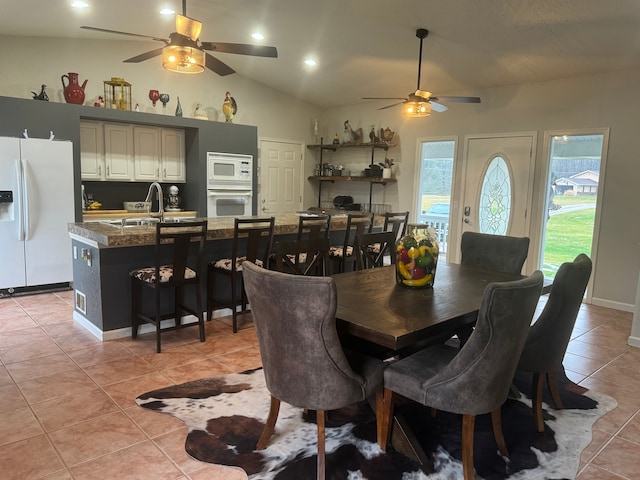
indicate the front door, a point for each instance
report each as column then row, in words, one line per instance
column 498, row 183
column 280, row 177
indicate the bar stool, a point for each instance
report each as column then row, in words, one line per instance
column 252, row 239
column 178, row 239
column 343, row 255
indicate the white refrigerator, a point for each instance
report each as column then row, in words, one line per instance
column 36, row 204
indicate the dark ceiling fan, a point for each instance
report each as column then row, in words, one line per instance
column 184, row 52
column 421, row 102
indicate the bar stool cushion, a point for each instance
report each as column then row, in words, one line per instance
column 225, row 263
column 148, row 274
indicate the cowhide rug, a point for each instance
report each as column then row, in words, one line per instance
column 226, row 414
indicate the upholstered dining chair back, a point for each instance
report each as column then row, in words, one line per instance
column 487, row 362
column 549, row 336
column 371, row 249
column 500, row 253
column 302, row 357
column 475, row 379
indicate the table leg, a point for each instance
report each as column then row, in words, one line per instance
column 406, row 443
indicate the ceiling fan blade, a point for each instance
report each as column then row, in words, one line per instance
column 458, row 99
column 217, row 66
column 105, row 30
column 438, row 107
column 144, row 56
column 383, row 98
column 241, row 49
column 389, row 106
column 188, row 27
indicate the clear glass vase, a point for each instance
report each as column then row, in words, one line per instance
column 417, row 257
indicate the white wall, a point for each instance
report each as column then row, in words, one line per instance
column 608, row 100
column 599, row 101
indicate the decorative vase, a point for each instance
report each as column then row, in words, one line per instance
column 386, row 172
column 154, row 95
column 417, row 257
column 73, row 91
column 164, row 98
column 179, row 109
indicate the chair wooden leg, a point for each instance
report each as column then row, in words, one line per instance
column 496, row 423
column 536, row 401
column 178, row 298
column 234, row 313
column 552, row 383
column 384, row 419
column 468, row 426
column 158, row 320
column 379, row 408
column 321, row 455
column 210, row 290
column 270, row 424
column 199, row 311
column 135, row 294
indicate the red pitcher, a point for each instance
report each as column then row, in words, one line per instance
column 73, row 91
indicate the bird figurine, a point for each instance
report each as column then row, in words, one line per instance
column 42, row 95
column 229, row 107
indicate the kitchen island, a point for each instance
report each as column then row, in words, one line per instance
column 104, row 254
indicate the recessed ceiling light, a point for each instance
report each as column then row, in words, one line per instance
column 79, row 4
column 310, row 62
column 257, row 36
column 167, row 11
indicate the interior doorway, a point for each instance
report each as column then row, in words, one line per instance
column 575, row 169
column 279, row 177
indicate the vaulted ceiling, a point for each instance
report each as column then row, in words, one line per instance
column 369, row 47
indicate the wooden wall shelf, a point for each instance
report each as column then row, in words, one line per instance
column 345, row 178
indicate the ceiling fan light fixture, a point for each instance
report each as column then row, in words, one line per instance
column 416, row 109
column 183, row 59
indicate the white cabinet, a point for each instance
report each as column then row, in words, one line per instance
column 118, row 151
column 173, row 163
column 146, row 153
column 92, row 150
column 125, row 153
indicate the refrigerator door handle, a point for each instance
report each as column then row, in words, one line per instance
column 25, row 202
column 19, row 177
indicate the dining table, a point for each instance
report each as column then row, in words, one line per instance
column 373, row 309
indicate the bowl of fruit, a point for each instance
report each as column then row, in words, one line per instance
column 417, row 257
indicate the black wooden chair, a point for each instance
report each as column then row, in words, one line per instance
column 252, row 241
column 342, row 256
column 304, row 257
column 368, row 257
column 179, row 239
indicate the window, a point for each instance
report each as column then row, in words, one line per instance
column 495, row 198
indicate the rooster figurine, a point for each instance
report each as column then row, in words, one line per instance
column 42, row 95
column 229, row 107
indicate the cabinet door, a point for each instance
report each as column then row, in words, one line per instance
column 91, row 151
column 118, row 151
column 173, row 164
column 146, row 153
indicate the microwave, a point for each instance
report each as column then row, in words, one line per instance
column 229, row 171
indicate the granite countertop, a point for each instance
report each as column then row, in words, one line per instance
column 107, row 235
column 97, row 215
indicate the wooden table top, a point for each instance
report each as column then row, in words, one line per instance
column 372, row 307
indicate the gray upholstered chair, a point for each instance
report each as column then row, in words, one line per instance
column 494, row 252
column 303, row 360
column 475, row 379
column 549, row 336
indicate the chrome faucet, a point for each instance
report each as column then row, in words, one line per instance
column 160, row 213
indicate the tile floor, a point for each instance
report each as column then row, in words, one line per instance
column 67, row 406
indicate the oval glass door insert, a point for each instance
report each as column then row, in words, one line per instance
column 495, row 198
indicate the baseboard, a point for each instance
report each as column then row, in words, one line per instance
column 633, row 341
column 601, row 302
column 144, row 328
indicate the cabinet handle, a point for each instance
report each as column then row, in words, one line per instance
column 164, row 172
column 157, row 172
column 107, row 170
column 99, row 170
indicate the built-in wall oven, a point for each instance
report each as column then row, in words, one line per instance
column 229, row 184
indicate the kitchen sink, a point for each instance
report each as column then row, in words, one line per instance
column 131, row 222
